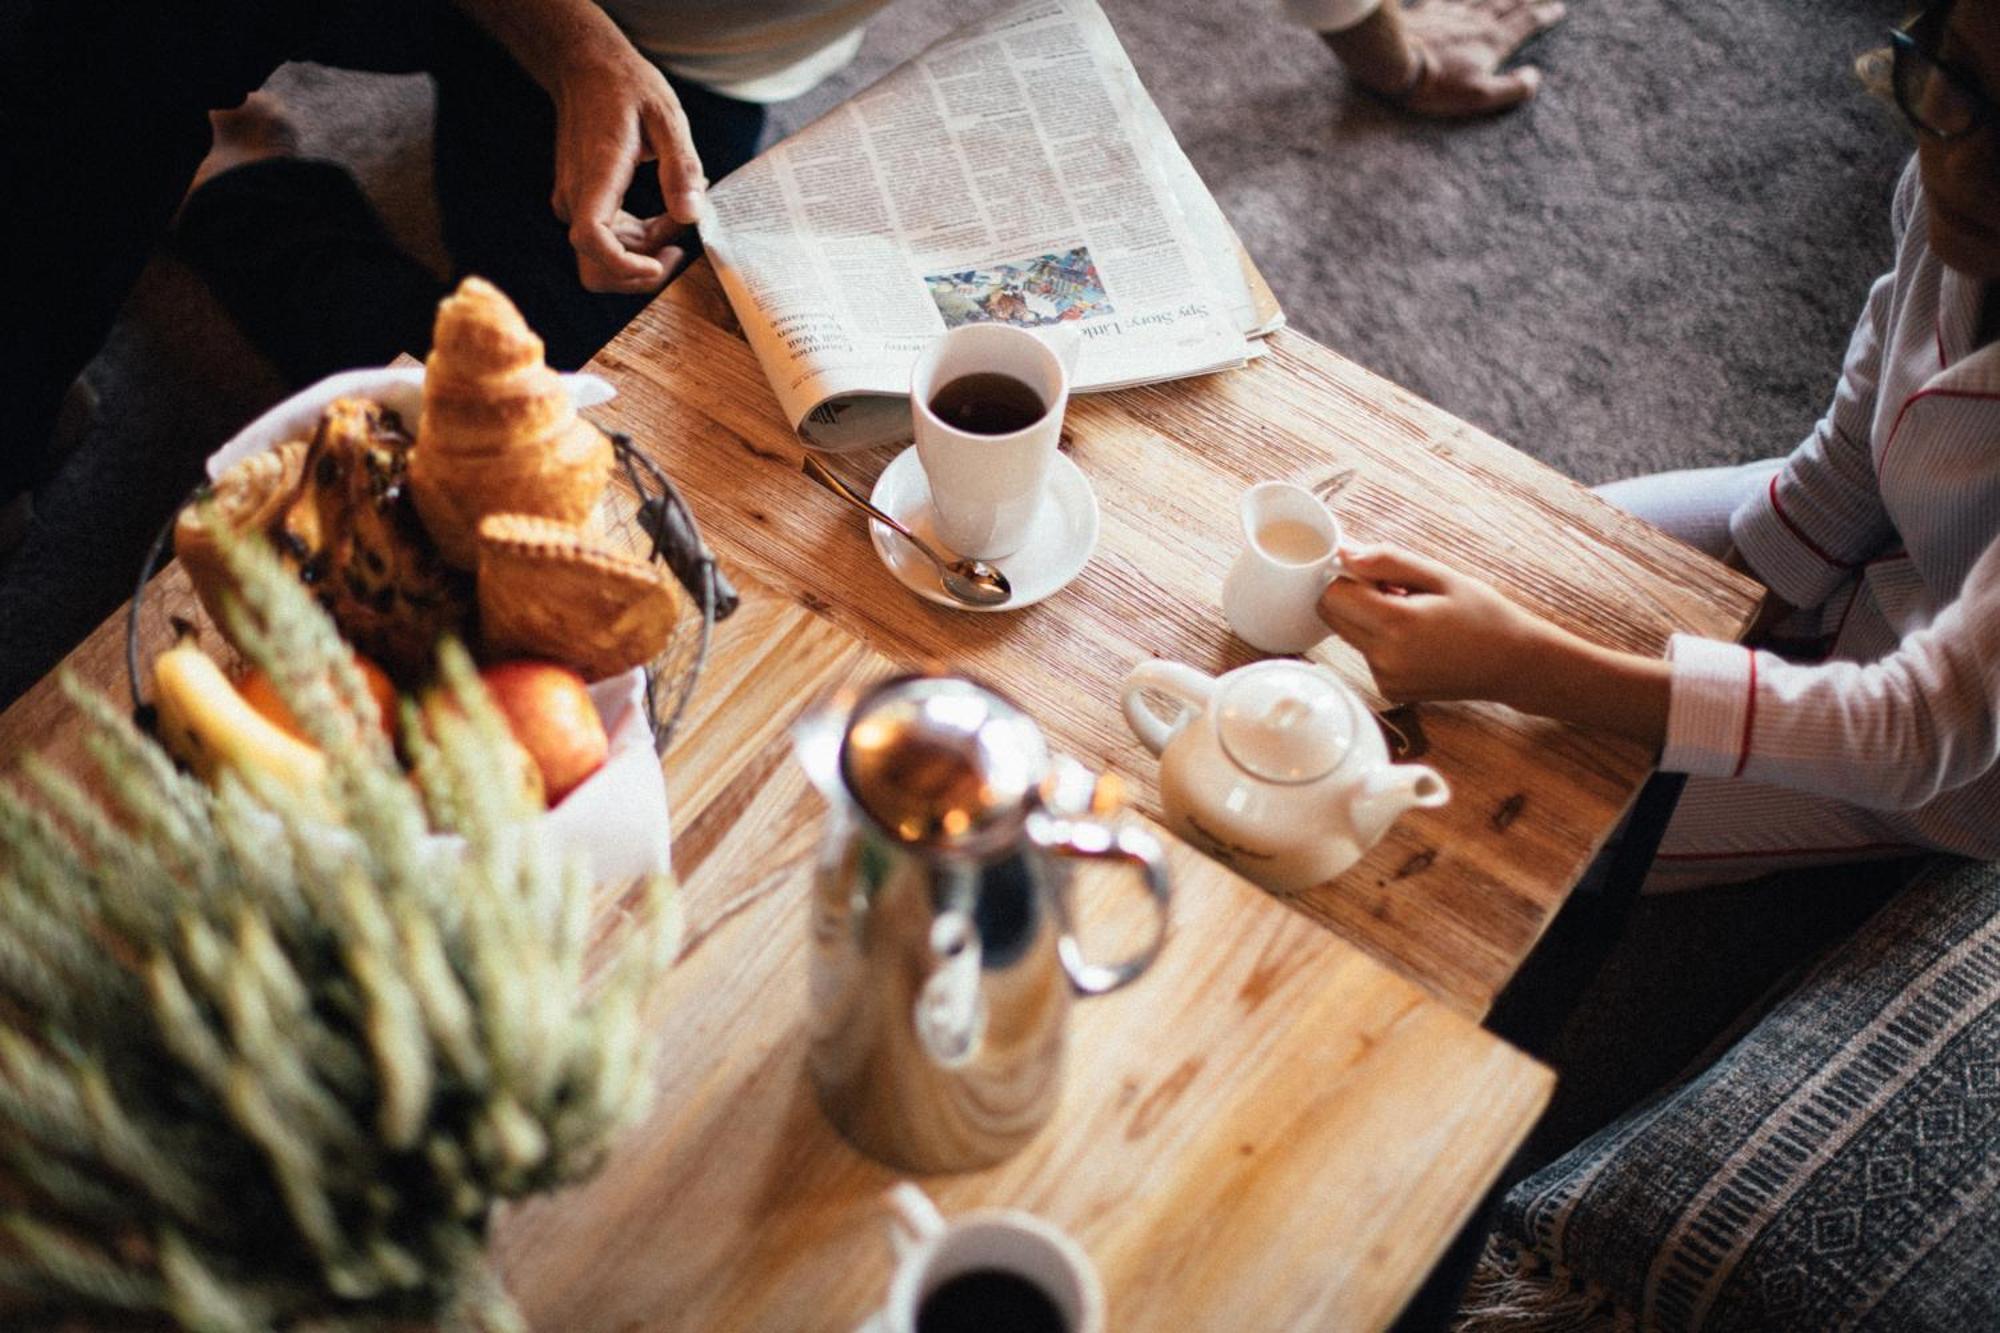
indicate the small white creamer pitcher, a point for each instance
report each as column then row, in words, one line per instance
column 1290, row 553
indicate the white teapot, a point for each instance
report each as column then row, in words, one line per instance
column 1277, row 769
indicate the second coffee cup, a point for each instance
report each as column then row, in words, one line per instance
column 987, row 401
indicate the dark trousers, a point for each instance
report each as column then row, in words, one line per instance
column 103, row 119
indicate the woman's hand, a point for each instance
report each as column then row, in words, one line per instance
column 1428, row 631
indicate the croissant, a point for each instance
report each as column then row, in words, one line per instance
column 498, row 433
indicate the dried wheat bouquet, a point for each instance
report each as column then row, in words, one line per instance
column 269, row 1059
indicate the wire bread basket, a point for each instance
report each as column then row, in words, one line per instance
column 641, row 512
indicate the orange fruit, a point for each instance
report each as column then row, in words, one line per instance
column 258, row 691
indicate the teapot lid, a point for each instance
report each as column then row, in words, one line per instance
column 1285, row 721
column 943, row 762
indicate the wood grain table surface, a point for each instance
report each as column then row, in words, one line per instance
column 1271, row 1129
column 1267, row 1131
column 1454, row 898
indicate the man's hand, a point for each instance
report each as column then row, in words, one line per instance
column 614, row 112
column 612, row 115
column 1442, row 58
column 1428, row 631
column 1464, row 43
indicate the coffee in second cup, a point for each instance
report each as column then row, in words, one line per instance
column 987, row 403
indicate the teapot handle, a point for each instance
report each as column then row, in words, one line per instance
column 1174, row 679
column 1088, row 840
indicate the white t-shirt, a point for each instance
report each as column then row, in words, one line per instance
column 771, row 50
column 755, row 50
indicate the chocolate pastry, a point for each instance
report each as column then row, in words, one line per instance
column 353, row 534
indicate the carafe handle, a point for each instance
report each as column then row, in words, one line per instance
column 1088, row 840
column 1174, row 679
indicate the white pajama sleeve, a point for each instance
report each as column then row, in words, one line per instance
column 1822, row 513
column 1330, row 15
column 1889, row 734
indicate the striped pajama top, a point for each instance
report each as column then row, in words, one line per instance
column 1884, row 526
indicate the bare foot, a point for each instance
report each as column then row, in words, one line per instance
column 257, row 130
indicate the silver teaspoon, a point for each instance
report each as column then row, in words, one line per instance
column 973, row 582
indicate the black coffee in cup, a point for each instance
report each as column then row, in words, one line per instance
column 987, row 403
column 989, row 1300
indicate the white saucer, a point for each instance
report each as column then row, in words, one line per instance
column 1058, row 544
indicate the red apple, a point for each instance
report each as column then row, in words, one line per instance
column 550, row 713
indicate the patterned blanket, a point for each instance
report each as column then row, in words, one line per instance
column 1838, row 1167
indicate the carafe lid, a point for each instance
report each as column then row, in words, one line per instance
column 1285, row 721
column 942, row 762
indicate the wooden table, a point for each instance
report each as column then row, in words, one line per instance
column 1453, row 898
column 1270, row 1130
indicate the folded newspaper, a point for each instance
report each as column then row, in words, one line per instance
column 1015, row 172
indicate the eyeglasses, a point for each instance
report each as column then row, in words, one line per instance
column 1939, row 100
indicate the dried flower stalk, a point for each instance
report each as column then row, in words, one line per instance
column 262, row 1069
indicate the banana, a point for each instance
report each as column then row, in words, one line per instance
column 208, row 724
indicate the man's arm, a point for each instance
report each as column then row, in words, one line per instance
column 614, row 111
column 1440, row 59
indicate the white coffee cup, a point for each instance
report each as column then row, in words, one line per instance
column 931, row 1251
column 986, row 489
column 1291, row 542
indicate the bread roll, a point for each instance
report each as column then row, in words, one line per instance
column 550, row 590
column 249, row 497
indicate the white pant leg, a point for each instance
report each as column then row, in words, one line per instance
column 1693, row 505
column 1726, row 830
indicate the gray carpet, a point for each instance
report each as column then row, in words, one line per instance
column 1654, row 265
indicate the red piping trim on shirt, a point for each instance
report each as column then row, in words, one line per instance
column 1799, row 532
column 1790, row 851
column 1883, row 462
column 1749, row 718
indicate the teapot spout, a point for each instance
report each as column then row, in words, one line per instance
column 1394, row 788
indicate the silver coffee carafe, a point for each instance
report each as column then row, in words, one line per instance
column 943, row 956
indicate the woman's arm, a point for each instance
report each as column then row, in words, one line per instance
column 1889, row 734
column 1430, row 632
